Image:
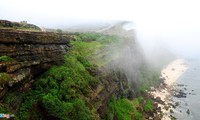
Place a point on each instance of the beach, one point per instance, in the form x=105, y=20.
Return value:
x=169, y=75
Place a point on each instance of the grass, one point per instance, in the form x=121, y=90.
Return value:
x=123, y=109
x=6, y=59
x=95, y=47
x=148, y=106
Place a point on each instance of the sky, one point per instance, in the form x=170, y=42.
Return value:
x=43, y=12
x=170, y=21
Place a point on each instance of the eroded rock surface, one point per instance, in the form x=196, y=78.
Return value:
x=33, y=53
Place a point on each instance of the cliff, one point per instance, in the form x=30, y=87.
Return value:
x=32, y=53
x=26, y=54
x=45, y=75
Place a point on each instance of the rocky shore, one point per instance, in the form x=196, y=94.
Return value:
x=168, y=88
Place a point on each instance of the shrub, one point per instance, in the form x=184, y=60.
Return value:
x=76, y=109
x=54, y=106
x=137, y=116
x=122, y=108
x=82, y=111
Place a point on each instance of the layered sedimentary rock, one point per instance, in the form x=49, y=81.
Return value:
x=32, y=54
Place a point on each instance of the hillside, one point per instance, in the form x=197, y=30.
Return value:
x=46, y=75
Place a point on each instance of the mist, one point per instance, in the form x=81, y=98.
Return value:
x=172, y=24
x=178, y=40
x=127, y=57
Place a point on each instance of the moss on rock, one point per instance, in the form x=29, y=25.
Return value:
x=4, y=78
x=6, y=59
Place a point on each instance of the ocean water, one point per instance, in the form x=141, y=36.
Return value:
x=189, y=82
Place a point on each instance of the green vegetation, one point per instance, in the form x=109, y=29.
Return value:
x=148, y=106
x=6, y=59
x=101, y=38
x=3, y=110
x=4, y=77
x=123, y=109
x=63, y=92
x=95, y=46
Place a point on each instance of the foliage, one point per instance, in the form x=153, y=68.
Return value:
x=60, y=91
x=6, y=59
x=104, y=40
x=137, y=116
x=55, y=107
x=148, y=106
x=2, y=109
x=28, y=107
x=95, y=47
x=87, y=37
x=123, y=109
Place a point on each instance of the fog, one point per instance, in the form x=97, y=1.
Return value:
x=173, y=24
x=183, y=40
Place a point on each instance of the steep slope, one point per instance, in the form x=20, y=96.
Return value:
x=74, y=76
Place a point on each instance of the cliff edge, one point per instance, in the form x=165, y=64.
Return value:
x=25, y=54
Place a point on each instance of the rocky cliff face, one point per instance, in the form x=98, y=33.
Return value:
x=32, y=54
x=26, y=54
x=111, y=84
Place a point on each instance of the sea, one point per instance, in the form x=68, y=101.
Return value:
x=189, y=83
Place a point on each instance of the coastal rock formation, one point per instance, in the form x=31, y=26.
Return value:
x=25, y=54
x=84, y=88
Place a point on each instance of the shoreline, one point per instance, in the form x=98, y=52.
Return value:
x=169, y=75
